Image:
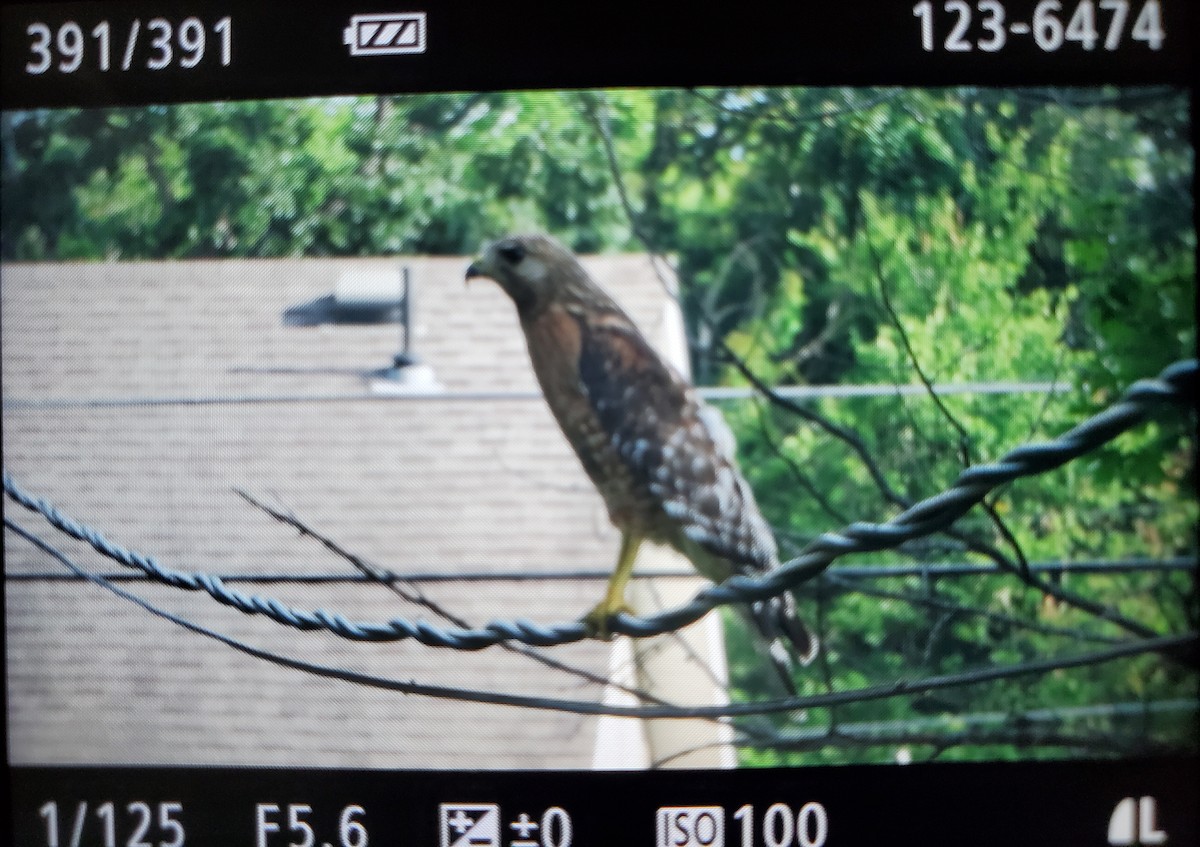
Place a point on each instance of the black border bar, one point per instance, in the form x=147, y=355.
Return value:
x=292, y=49
x=1027, y=803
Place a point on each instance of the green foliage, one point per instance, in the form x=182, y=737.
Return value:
x=1058, y=247
x=823, y=236
x=352, y=176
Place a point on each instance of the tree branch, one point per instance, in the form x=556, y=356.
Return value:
x=410, y=592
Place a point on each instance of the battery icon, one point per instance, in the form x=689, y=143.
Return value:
x=386, y=35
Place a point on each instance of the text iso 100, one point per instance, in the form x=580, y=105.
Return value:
x=1087, y=24
x=156, y=44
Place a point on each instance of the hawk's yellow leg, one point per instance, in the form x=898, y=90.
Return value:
x=614, y=598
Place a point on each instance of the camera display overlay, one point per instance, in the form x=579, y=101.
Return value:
x=430, y=455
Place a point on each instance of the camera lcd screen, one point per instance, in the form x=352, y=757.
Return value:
x=516, y=427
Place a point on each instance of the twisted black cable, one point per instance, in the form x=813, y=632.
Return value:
x=1177, y=384
x=897, y=688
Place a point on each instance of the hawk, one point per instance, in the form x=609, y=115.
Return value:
x=662, y=459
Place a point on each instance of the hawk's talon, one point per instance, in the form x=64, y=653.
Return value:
x=598, y=619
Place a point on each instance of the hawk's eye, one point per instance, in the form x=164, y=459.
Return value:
x=512, y=253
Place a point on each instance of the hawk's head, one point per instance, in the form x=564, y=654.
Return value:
x=535, y=270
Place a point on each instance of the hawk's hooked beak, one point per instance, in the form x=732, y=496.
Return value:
x=476, y=269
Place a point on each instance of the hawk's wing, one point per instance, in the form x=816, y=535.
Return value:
x=674, y=444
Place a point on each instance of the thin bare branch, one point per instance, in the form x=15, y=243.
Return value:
x=410, y=592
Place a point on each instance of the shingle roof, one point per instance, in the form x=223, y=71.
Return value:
x=138, y=395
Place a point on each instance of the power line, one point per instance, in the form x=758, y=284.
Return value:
x=940, y=570
x=1024, y=728
x=1177, y=383
x=715, y=393
x=1096, y=710
x=895, y=688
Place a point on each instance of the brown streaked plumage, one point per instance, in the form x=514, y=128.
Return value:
x=661, y=458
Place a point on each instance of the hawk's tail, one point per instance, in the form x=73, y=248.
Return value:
x=777, y=621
